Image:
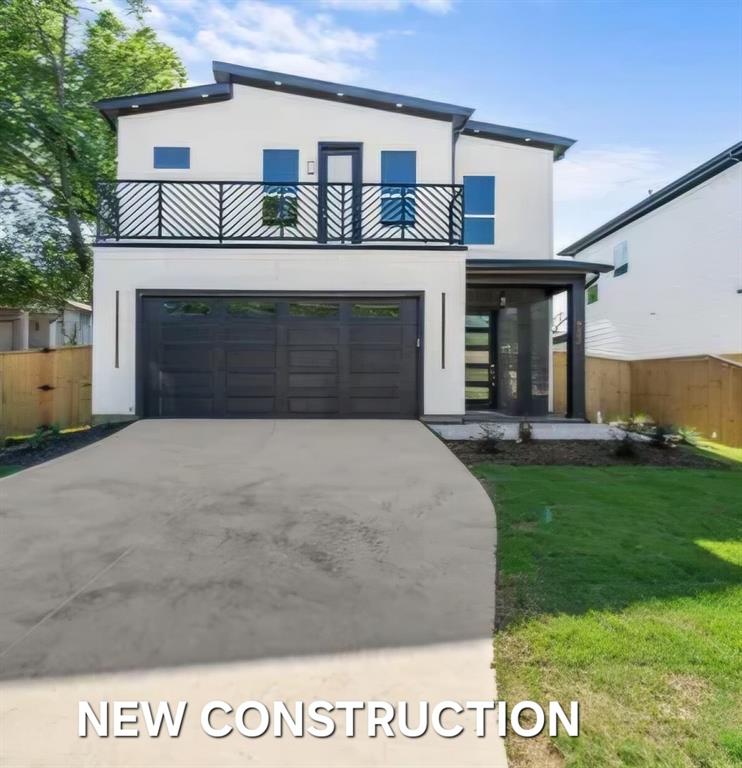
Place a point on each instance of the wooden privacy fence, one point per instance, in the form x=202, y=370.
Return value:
x=702, y=391
x=38, y=387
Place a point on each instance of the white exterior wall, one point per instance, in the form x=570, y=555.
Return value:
x=130, y=269
x=679, y=296
x=524, y=213
x=227, y=138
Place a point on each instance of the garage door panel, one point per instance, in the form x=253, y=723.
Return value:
x=312, y=380
x=192, y=383
x=257, y=333
x=186, y=357
x=250, y=384
x=250, y=406
x=376, y=334
x=375, y=405
x=314, y=335
x=375, y=360
x=313, y=358
x=313, y=405
x=188, y=333
x=266, y=356
x=246, y=358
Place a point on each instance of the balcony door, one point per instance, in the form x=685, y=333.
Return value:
x=340, y=174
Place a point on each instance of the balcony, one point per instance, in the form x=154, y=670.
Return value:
x=255, y=212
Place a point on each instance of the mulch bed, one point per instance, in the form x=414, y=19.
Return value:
x=581, y=453
x=23, y=455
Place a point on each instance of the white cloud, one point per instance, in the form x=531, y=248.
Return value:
x=598, y=173
x=261, y=34
x=431, y=6
x=594, y=185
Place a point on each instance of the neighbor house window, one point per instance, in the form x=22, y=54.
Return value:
x=398, y=169
x=620, y=258
x=479, y=210
x=172, y=157
x=592, y=294
x=280, y=204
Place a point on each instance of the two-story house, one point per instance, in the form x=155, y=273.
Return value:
x=281, y=246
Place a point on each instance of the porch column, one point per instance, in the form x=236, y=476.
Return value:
x=576, y=348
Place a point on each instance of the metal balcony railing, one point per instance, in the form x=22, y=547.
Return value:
x=243, y=211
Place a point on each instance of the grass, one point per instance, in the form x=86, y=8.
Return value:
x=719, y=451
x=622, y=588
x=8, y=470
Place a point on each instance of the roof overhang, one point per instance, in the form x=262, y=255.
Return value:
x=707, y=170
x=531, y=267
x=111, y=109
x=351, y=94
x=556, y=144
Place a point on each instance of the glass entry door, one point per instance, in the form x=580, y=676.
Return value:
x=480, y=360
x=340, y=176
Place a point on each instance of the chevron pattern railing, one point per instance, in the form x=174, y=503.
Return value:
x=229, y=211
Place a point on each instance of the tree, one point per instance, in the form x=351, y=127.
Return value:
x=55, y=59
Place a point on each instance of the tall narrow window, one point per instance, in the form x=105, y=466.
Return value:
x=280, y=204
x=620, y=258
x=398, y=177
x=172, y=157
x=479, y=210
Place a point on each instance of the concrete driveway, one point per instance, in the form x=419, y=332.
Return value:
x=275, y=559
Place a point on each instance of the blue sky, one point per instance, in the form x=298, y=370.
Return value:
x=649, y=89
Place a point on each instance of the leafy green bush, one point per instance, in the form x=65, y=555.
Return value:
x=280, y=211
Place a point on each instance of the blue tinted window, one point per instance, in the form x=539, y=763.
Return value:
x=172, y=157
x=479, y=195
x=398, y=167
x=479, y=210
x=398, y=202
x=281, y=165
x=479, y=231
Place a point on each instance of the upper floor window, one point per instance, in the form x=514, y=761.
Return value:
x=172, y=157
x=280, y=205
x=398, y=169
x=592, y=293
x=479, y=210
x=620, y=258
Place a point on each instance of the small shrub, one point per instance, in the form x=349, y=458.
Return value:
x=689, y=435
x=525, y=432
x=492, y=436
x=42, y=436
x=625, y=447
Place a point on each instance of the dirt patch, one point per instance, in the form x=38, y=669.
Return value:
x=24, y=455
x=580, y=453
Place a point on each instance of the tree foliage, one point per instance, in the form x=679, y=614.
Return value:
x=56, y=58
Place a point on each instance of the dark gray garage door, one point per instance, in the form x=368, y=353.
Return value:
x=238, y=356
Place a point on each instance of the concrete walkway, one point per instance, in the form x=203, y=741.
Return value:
x=234, y=560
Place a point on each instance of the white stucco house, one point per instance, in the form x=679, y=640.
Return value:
x=43, y=329
x=281, y=246
x=676, y=289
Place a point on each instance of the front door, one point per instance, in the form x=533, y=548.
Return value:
x=340, y=175
x=480, y=359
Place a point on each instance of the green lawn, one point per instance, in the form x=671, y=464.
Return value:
x=8, y=470
x=622, y=588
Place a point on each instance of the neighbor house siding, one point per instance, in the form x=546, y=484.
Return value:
x=679, y=295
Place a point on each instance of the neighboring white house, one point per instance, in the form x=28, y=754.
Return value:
x=35, y=329
x=281, y=246
x=677, y=284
